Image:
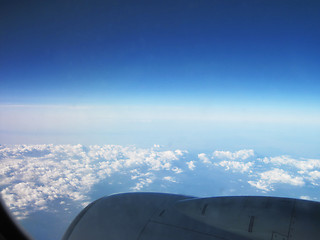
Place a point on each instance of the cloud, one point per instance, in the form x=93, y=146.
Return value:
x=142, y=183
x=191, y=165
x=177, y=170
x=169, y=178
x=235, y=166
x=313, y=176
x=32, y=176
x=241, y=154
x=267, y=172
x=268, y=178
x=302, y=164
x=305, y=197
x=203, y=157
x=234, y=161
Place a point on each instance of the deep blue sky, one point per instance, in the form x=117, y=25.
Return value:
x=107, y=52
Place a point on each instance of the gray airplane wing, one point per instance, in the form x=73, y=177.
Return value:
x=155, y=216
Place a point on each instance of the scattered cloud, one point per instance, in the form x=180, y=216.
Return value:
x=314, y=177
x=265, y=173
x=203, y=157
x=169, y=178
x=241, y=154
x=34, y=176
x=268, y=178
x=191, y=165
x=235, y=161
x=31, y=176
x=177, y=170
x=236, y=166
x=301, y=164
x=142, y=183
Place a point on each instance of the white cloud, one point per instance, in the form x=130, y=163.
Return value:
x=271, y=177
x=302, y=164
x=314, y=177
x=142, y=183
x=266, y=172
x=235, y=166
x=32, y=176
x=241, y=154
x=203, y=157
x=177, y=170
x=305, y=197
x=169, y=178
x=180, y=152
x=191, y=165
x=235, y=161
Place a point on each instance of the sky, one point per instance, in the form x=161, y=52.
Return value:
x=160, y=52
x=200, y=74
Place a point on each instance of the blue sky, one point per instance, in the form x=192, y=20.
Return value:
x=193, y=51
x=251, y=65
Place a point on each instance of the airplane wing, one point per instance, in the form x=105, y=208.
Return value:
x=156, y=216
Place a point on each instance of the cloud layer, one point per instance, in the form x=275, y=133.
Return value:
x=34, y=176
x=268, y=171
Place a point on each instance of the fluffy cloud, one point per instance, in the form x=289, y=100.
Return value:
x=302, y=164
x=235, y=166
x=308, y=169
x=241, y=154
x=31, y=176
x=314, y=176
x=191, y=165
x=268, y=178
x=235, y=161
x=203, y=157
x=169, y=178
x=34, y=176
x=265, y=173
